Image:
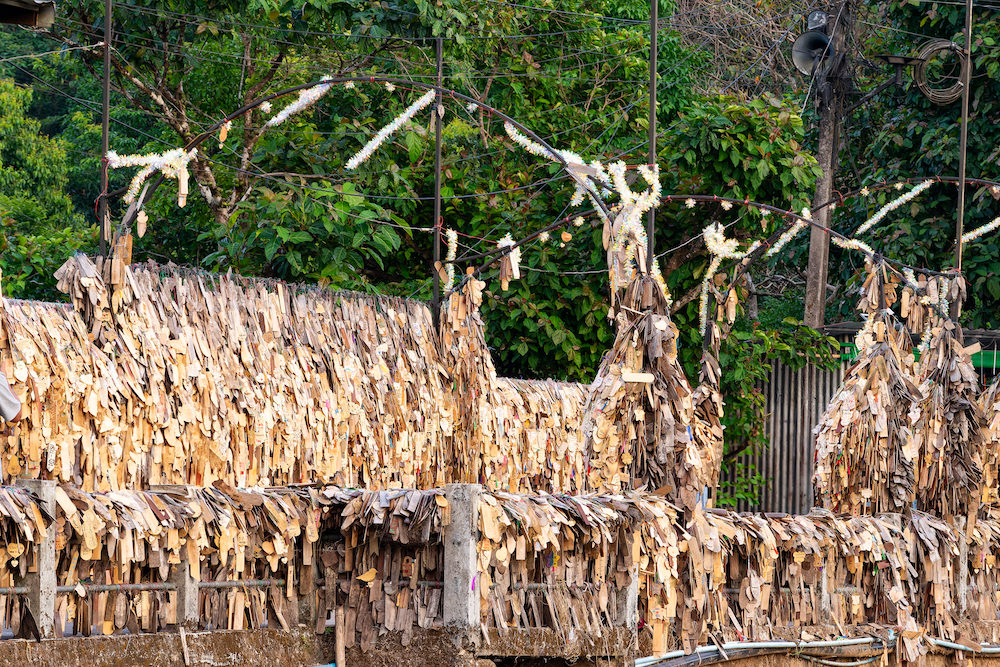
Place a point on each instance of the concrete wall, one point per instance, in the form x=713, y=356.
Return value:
x=252, y=648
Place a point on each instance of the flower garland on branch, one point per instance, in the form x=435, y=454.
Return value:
x=306, y=99
x=452, y=236
x=172, y=164
x=720, y=248
x=362, y=156
x=891, y=206
x=971, y=236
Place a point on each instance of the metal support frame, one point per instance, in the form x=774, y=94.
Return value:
x=437, y=117
x=963, y=142
x=651, y=216
x=104, y=221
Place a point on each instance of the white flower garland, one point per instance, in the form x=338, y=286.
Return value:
x=853, y=244
x=306, y=99
x=172, y=164
x=894, y=204
x=387, y=131
x=720, y=248
x=585, y=181
x=787, y=236
x=969, y=237
x=452, y=236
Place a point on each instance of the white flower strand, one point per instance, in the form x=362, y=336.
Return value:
x=630, y=232
x=971, y=236
x=172, y=164
x=306, y=99
x=720, y=248
x=783, y=240
x=452, y=236
x=703, y=298
x=853, y=244
x=894, y=204
x=387, y=131
x=585, y=184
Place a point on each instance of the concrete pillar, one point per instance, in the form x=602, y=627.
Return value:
x=42, y=583
x=628, y=601
x=461, y=563
x=186, y=594
x=628, y=597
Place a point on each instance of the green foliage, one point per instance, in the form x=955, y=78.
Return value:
x=40, y=229
x=746, y=357
x=901, y=134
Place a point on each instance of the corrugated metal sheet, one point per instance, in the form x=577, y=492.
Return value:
x=795, y=400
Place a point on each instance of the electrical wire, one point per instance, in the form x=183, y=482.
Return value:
x=36, y=56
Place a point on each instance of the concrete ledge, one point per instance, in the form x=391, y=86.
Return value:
x=542, y=642
x=435, y=647
x=239, y=648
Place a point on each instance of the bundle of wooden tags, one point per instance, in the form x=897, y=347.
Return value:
x=515, y=434
x=382, y=561
x=864, y=464
x=555, y=561
x=640, y=410
x=375, y=545
x=948, y=430
x=989, y=404
x=189, y=377
x=895, y=433
x=759, y=577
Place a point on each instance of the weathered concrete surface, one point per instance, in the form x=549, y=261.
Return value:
x=549, y=643
x=428, y=648
x=42, y=582
x=239, y=648
x=444, y=648
x=461, y=585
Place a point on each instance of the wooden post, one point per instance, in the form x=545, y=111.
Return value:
x=831, y=112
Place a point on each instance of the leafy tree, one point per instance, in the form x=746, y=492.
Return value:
x=902, y=134
x=39, y=227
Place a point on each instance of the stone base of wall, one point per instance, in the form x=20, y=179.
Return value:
x=238, y=648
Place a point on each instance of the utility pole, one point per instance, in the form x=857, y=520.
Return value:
x=436, y=115
x=102, y=204
x=831, y=95
x=651, y=220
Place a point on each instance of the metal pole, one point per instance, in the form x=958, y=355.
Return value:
x=964, y=136
x=102, y=210
x=436, y=114
x=651, y=219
